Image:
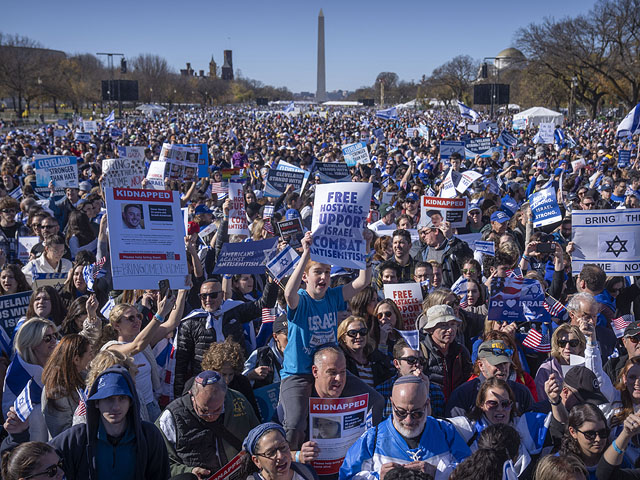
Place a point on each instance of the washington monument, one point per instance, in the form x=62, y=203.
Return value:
x=321, y=88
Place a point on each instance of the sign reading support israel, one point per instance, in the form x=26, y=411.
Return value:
x=355, y=153
x=448, y=147
x=339, y=213
x=478, y=146
x=544, y=207
x=333, y=172
x=608, y=238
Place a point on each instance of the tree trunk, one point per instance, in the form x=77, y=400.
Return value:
x=55, y=105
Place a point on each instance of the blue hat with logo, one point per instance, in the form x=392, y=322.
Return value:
x=111, y=384
x=291, y=214
x=499, y=217
x=412, y=196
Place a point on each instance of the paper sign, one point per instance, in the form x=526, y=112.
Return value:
x=293, y=229
x=517, y=300
x=333, y=172
x=355, y=154
x=123, y=172
x=61, y=170
x=546, y=132
x=578, y=164
x=452, y=210
x=467, y=180
x=237, y=216
x=244, y=257
x=624, y=158
x=25, y=244
x=279, y=180
x=448, y=147
x=13, y=308
x=544, y=207
x=183, y=161
x=478, y=146
x=56, y=280
x=408, y=298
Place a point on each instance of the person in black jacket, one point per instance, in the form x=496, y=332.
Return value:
x=216, y=320
x=263, y=366
x=114, y=443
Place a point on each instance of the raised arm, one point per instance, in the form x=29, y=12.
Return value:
x=291, y=290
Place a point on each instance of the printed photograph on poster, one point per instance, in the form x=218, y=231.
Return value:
x=132, y=216
x=452, y=210
x=326, y=428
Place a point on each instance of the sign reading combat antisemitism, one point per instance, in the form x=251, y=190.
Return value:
x=339, y=212
x=608, y=238
x=146, y=238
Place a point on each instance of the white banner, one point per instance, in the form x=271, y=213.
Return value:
x=608, y=238
x=237, y=215
x=467, y=179
x=146, y=238
x=546, y=132
x=122, y=172
x=339, y=213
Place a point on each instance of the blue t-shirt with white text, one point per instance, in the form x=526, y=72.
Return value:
x=312, y=324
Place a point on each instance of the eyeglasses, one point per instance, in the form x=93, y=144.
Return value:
x=50, y=472
x=590, y=204
x=35, y=225
x=591, y=434
x=50, y=337
x=212, y=295
x=401, y=413
x=474, y=213
x=410, y=201
x=413, y=360
x=271, y=454
x=573, y=343
x=47, y=227
x=494, y=404
x=384, y=314
x=354, y=333
x=469, y=271
x=132, y=318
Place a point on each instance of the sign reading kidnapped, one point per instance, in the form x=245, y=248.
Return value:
x=544, y=206
x=517, y=300
x=608, y=238
x=339, y=212
x=244, y=257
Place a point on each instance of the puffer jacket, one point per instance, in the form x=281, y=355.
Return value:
x=439, y=371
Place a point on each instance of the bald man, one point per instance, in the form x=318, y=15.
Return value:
x=410, y=438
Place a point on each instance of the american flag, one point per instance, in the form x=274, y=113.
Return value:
x=268, y=227
x=268, y=315
x=554, y=307
x=514, y=273
x=81, y=410
x=621, y=323
x=221, y=187
x=536, y=341
x=460, y=289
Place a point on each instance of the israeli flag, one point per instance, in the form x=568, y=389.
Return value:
x=231, y=135
x=537, y=138
x=6, y=344
x=283, y=263
x=289, y=108
x=412, y=337
x=506, y=139
x=388, y=113
x=559, y=137
x=23, y=404
x=106, y=310
x=467, y=112
x=630, y=125
x=111, y=118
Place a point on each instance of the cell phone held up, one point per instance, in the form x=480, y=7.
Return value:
x=163, y=287
x=546, y=247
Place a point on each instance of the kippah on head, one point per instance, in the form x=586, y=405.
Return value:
x=407, y=379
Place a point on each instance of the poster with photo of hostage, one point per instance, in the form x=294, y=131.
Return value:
x=335, y=424
x=439, y=210
x=183, y=161
x=146, y=238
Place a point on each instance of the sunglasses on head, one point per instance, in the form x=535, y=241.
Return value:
x=591, y=434
x=635, y=339
x=573, y=343
x=50, y=472
x=498, y=352
x=493, y=404
x=401, y=413
x=354, y=333
x=212, y=295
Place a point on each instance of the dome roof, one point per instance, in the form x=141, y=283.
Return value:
x=511, y=53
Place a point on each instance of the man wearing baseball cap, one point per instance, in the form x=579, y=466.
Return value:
x=474, y=220
x=264, y=364
x=411, y=206
x=387, y=219
x=499, y=221
x=631, y=342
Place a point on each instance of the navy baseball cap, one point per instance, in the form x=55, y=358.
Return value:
x=499, y=216
x=291, y=214
x=111, y=384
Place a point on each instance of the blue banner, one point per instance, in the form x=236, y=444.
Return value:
x=544, y=207
x=267, y=398
x=244, y=257
x=12, y=308
x=447, y=147
x=203, y=159
x=624, y=158
x=517, y=300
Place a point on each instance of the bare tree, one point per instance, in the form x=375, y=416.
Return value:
x=456, y=75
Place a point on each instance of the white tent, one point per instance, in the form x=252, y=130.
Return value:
x=150, y=109
x=537, y=115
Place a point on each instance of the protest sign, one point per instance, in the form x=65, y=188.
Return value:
x=447, y=147
x=452, y=210
x=123, y=172
x=448, y=189
x=339, y=213
x=411, y=132
x=292, y=228
x=478, y=146
x=469, y=238
x=203, y=159
x=56, y=280
x=488, y=248
x=232, y=470
x=237, y=216
x=379, y=134
x=61, y=170
x=183, y=161
x=335, y=424
x=546, y=132
x=25, y=244
x=519, y=124
x=90, y=126
x=624, y=158
x=544, y=207
x=578, y=164
x=156, y=175
x=608, y=238
x=146, y=238
x=287, y=167
x=59, y=133
x=13, y=308
x=517, y=300
x=136, y=153
x=355, y=153
x=82, y=137
x=333, y=172
x=278, y=181
x=244, y=257
x=267, y=398
x=115, y=132
x=467, y=180
x=408, y=298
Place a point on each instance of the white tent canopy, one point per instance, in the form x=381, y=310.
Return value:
x=150, y=109
x=537, y=115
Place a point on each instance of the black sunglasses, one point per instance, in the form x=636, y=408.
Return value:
x=50, y=472
x=591, y=434
x=573, y=343
x=401, y=413
x=413, y=360
x=213, y=295
x=354, y=333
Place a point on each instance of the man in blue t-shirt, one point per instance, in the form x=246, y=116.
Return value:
x=312, y=314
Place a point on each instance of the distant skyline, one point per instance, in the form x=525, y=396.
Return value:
x=276, y=42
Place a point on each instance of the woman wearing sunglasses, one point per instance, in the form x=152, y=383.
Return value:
x=566, y=340
x=363, y=359
x=35, y=460
x=496, y=403
x=388, y=318
x=34, y=343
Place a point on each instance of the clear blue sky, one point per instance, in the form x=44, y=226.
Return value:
x=276, y=41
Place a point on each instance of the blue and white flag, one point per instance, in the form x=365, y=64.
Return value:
x=379, y=134
x=571, y=143
x=388, y=113
x=537, y=138
x=412, y=337
x=111, y=118
x=16, y=193
x=506, y=139
x=6, y=344
x=106, y=310
x=289, y=108
x=368, y=420
x=488, y=248
x=559, y=137
x=30, y=396
x=283, y=263
x=467, y=112
x=630, y=125
x=92, y=272
x=460, y=289
x=231, y=135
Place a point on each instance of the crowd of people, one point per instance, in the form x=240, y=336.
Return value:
x=159, y=383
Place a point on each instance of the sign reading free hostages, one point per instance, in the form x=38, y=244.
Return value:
x=339, y=212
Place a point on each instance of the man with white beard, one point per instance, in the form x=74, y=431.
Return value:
x=410, y=438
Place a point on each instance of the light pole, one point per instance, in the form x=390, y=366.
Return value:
x=41, y=105
x=572, y=100
x=110, y=56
